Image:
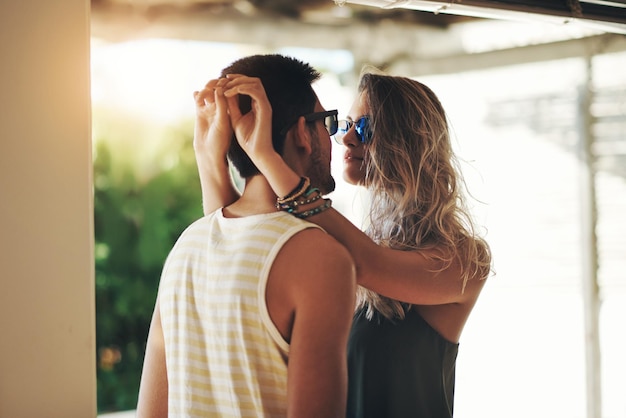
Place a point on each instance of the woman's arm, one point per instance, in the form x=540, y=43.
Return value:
x=212, y=136
x=408, y=276
x=417, y=277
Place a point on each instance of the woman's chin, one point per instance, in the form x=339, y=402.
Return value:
x=352, y=178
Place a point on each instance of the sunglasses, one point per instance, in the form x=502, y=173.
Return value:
x=362, y=129
x=329, y=117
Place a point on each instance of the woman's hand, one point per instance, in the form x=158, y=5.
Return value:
x=212, y=132
x=253, y=129
x=254, y=132
x=211, y=140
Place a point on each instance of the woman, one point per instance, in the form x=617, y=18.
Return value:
x=420, y=264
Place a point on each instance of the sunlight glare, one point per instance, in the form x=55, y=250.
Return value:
x=155, y=78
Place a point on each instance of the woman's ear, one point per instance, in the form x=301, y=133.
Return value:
x=302, y=136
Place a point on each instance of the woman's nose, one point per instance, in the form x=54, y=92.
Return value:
x=350, y=139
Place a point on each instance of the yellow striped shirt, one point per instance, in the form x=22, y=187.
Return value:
x=224, y=356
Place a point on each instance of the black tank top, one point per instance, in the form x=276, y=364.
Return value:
x=399, y=369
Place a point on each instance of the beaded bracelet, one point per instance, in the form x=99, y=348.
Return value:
x=292, y=205
x=299, y=190
x=321, y=208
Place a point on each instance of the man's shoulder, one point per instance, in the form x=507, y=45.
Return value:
x=198, y=226
x=312, y=252
x=315, y=270
x=314, y=238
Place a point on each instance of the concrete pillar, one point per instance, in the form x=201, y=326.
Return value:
x=47, y=325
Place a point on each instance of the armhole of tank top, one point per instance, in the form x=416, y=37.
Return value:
x=166, y=266
x=263, y=309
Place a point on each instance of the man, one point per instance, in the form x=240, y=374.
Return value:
x=254, y=305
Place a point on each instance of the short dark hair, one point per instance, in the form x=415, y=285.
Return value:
x=287, y=82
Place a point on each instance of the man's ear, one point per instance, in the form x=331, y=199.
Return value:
x=302, y=136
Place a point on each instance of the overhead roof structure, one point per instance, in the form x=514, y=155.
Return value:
x=416, y=37
x=606, y=15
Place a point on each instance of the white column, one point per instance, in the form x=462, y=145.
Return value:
x=589, y=254
x=47, y=324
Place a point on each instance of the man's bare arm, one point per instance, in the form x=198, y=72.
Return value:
x=152, y=401
x=321, y=286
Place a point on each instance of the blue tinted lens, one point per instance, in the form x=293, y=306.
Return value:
x=343, y=126
x=361, y=129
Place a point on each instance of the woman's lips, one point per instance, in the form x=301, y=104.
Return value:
x=350, y=158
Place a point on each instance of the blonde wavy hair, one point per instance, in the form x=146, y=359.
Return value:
x=415, y=183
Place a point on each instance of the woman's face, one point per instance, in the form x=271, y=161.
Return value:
x=353, y=167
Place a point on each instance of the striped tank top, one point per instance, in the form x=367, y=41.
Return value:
x=224, y=356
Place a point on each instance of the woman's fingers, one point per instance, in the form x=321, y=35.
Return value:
x=207, y=94
x=252, y=88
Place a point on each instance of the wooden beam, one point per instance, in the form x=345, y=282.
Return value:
x=608, y=16
x=452, y=64
x=373, y=42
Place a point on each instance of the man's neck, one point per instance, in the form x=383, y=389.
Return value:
x=257, y=197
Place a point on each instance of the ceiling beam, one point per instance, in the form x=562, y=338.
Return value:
x=377, y=41
x=605, y=15
x=452, y=64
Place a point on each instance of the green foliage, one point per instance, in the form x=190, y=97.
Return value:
x=146, y=192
